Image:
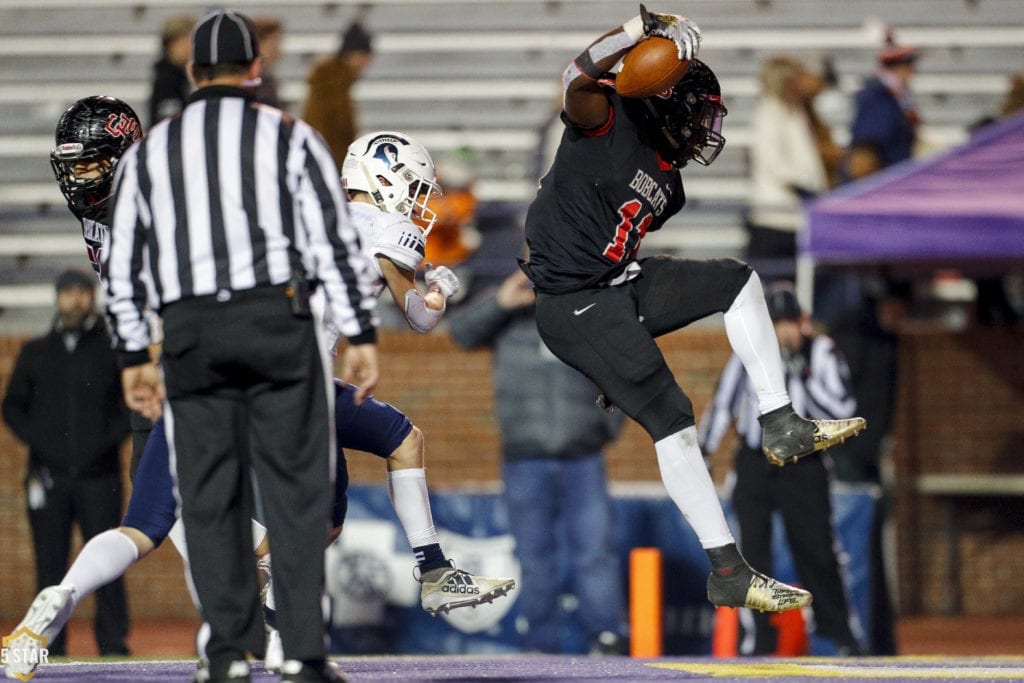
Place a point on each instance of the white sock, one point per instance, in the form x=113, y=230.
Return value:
x=259, y=532
x=177, y=537
x=103, y=559
x=271, y=602
x=408, y=492
x=689, y=485
x=752, y=337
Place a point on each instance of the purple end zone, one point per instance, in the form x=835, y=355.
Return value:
x=581, y=669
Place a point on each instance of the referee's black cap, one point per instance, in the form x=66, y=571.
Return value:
x=225, y=37
x=782, y=302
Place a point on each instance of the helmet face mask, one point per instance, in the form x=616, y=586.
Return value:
x=689, y=117
x=91, y=136
x=396, y=171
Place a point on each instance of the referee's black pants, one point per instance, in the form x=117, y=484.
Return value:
x=800, y=492
x=246, y=384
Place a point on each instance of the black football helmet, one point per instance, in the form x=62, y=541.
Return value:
x=689, y=117
x=94, y=129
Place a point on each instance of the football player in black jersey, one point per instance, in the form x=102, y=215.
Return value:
x=615, y=177
x=90, y=138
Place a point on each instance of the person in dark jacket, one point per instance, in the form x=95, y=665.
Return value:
x=329, y=107
x=887, y=115
x=868, y=336
x=552, y=435
x=171, y=86
x=64, y=402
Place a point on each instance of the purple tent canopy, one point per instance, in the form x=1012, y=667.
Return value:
x=966, y=204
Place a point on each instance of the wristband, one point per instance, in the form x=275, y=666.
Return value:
x=585, y=65
x=634, y=28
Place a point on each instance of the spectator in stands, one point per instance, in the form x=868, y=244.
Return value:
x=64, y=402
x=789, y=150
x=867, y=336
x=455, y=236
x=269, y=30
x=1013, y=103
x=835, y=290
x=884, y=132
x=886, y=113
x=818, y=381
x=552, y=435
x=330, y=108
x=171, y=85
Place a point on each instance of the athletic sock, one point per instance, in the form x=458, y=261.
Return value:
x=752, y=337
x=689, y=485
x=430, y=557
x=725, y=559
x=259, y=532
x=177, y=538
x=104, y=558
x=408, y=491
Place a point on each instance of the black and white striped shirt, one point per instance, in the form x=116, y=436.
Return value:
x=818, y=382
x=228, y=196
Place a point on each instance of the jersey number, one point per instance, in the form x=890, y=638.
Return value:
x=628, y=232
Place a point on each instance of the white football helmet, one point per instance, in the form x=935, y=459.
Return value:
x=396, y=171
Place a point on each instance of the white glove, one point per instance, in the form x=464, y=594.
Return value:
x=443, y=278
x=680, y=30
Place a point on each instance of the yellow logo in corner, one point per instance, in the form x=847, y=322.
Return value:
x=23, y=651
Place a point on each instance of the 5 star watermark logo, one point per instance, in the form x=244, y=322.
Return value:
x=23, y=650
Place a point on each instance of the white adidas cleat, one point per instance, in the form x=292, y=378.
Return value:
x=448, y=588
x=45, y=618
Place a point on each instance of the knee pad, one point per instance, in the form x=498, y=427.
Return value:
x=667, y=412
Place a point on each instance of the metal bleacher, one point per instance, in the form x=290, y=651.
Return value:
x=480, y=75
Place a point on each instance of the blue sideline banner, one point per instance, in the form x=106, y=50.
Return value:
x=375, y=596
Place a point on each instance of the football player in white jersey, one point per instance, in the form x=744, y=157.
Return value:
x=389, y=178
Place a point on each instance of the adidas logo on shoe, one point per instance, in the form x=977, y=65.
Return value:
x=448, y=588
x=460, y=584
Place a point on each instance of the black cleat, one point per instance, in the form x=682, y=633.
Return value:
x=788, y=437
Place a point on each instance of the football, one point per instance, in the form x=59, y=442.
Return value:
x=650, y=68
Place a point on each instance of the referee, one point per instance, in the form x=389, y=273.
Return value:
x=818, y=381
x=223, y=216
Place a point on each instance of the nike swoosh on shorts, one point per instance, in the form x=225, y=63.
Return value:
x=581, y=311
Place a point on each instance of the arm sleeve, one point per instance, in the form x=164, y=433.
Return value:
x=420, y=317
x=720, y=414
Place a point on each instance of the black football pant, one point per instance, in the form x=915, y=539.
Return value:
x=248, y=371
x=800, y=492
x=95, y=504
x=608, y=333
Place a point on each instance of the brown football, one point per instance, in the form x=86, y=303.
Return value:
x=650, y=68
